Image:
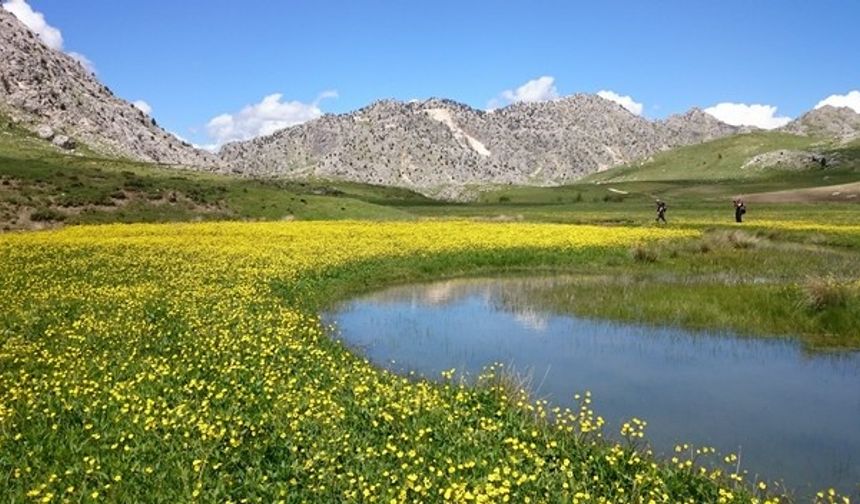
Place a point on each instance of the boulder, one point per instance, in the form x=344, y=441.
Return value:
x=64, y=142
x=45, y=132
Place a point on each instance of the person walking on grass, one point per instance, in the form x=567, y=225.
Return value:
x=661, y=212
x=740, y=210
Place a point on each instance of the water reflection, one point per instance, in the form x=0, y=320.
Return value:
x=791, y=415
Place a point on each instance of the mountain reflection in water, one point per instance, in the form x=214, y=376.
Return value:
x=792, y=415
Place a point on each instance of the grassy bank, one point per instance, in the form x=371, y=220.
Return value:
x=749, y=281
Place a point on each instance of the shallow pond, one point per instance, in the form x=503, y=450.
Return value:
x=792, y=415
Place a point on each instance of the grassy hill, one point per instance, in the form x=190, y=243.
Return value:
x=87, y=309
x=726, y=158
x=41, y=186
x=700, y=181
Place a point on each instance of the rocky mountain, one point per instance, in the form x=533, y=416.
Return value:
x=53, y=95
x=827, y=121
x=441, y=143
x=695, y=126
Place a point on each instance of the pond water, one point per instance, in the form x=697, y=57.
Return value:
x=792, y=415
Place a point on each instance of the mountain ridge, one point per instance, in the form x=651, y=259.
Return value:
x=842, y=123
x=431, y=146
x=439, y=142
x=55, y=96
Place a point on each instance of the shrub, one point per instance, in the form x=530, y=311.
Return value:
x=641, y=253
x=741, y=240
x=819, y=294
x=46, y=215
x=731, y=239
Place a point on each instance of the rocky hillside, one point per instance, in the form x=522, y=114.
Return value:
x=52, y=94
x=440, y=143
x=827, y=121
x=694, y=127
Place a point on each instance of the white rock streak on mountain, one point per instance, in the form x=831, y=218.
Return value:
x=440, y=143
x=430, y=146
x=444, y=117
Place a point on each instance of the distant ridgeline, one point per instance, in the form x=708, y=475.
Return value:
x=430, y=146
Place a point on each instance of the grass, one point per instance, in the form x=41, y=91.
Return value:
x=221, y=385
x=698, y=182
x=189, y=358
x=36, y=178
x=726, y=281
x=720, y=159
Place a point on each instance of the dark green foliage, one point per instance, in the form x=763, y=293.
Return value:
x=46, y=215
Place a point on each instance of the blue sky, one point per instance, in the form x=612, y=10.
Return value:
x=192, y=61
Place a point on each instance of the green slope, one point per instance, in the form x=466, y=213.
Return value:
x=41, y=186
x=696, y=176
x=720, y=159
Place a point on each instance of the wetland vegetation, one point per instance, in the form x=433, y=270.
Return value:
x=190, y=357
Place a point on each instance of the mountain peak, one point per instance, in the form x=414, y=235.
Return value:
x=695, y=125
x=48, y=91
x=425, y=145
x=439, y=143
x=698, y=113
x=828, y=121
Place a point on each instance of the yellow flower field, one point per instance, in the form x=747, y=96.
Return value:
x=186, y=362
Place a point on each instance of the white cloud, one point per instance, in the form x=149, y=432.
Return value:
x=36, y=22
x=330, y=93
x=627, y=102
x=850, y=100
x=264, y=118
x=536, y=90
x=84, y=61
x=742, y=114
x=51, y=36
x=208, y=147
x=143, y=107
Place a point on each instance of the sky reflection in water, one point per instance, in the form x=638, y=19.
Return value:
x=790, y=414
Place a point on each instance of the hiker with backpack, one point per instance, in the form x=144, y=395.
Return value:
x=740, y=210
x=661, y=211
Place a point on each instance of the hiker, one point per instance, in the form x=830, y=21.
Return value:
x=661, y=211
x=740, y=210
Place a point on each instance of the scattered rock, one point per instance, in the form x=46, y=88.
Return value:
x=785, y=159
x=64, y=142
x=45, y=132
x=436, y=145
x=827, y=121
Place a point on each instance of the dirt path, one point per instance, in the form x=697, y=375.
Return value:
x=842, y=192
